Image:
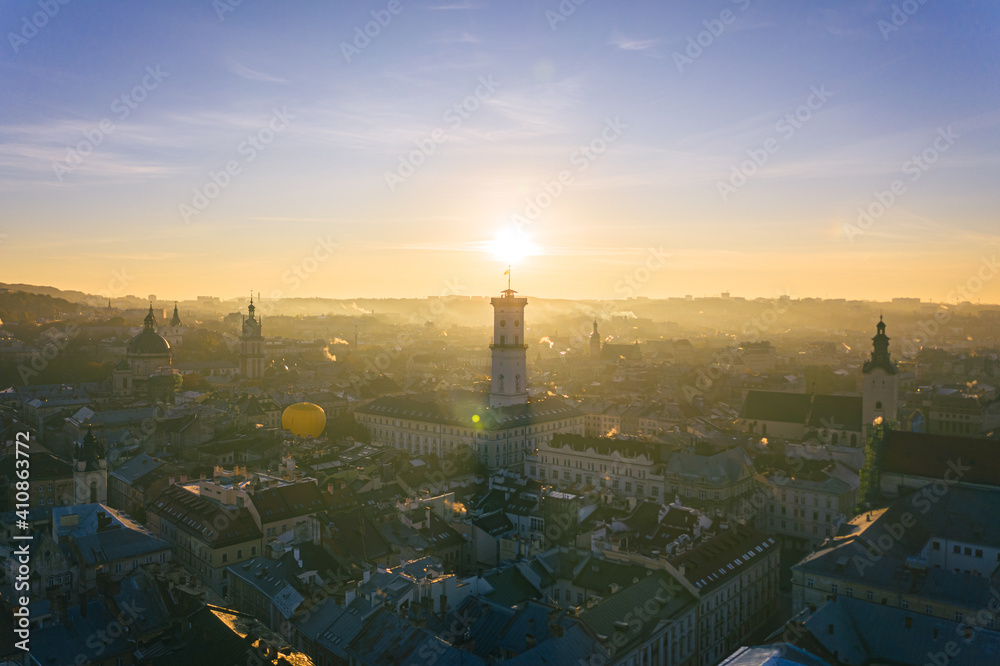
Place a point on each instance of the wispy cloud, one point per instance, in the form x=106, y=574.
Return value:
x=253, y=75
x=629, y=44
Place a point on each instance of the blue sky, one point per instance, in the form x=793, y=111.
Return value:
x=671, y=130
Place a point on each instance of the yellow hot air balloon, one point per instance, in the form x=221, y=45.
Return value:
x=304, y=419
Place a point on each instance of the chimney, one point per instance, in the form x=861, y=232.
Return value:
x=103, y=521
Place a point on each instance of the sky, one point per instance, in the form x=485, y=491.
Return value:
x=409, y=148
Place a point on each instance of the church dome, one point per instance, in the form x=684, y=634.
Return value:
x=149, y=341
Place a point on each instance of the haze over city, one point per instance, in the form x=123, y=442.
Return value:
x=495, y=101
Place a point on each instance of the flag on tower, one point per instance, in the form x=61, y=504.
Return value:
x=507, y=272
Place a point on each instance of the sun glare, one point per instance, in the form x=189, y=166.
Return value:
x=512, y=246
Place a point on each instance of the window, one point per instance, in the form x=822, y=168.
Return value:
x=834, y=588
x=869, y=595
x=958, y=616
x=579, y=597
x=979, y=552
x=809, y=582
x=904, y=604
x=936, y=545
x=239, y=554
x=957, y=550
x=225, y=557
x=929, y=610
x=253, y=551
x=849, y=591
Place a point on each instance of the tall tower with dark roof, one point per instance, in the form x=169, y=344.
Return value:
x=879, y=381
x=595, y=342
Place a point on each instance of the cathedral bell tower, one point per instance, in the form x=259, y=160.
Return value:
x=90, y=471
x=509, y=381
x=252, y=345
x=595, y=343
x=879, y=381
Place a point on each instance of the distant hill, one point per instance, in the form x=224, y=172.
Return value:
x=23, y=306
x=72, y=296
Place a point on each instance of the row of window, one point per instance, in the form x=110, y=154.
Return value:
x=958, y=550
x=135, y=563
x=903, y=604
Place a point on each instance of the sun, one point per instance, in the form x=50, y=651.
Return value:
x=512, y=246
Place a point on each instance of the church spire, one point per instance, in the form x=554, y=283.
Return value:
x=595, y=342
x=176, y=319
x=150, y=321
x=880, y=357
